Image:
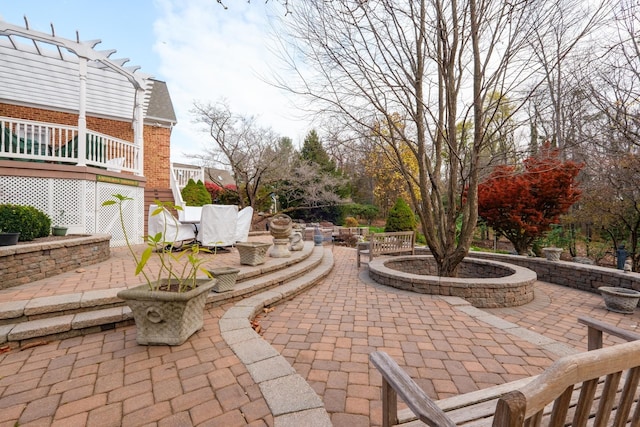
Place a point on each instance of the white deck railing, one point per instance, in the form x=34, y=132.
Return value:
x=183, y=174
x=28, y=140
x=180, y=176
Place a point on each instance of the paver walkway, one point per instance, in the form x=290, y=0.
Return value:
x=326, y=334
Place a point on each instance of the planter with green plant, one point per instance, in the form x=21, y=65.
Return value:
x=8, y=239
x=554, y=243
x=58, y=229
x=168, y=309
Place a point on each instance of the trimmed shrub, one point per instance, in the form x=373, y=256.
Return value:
x=26, y=220
x=196, y=194
x=350, y=222
x=400, y=218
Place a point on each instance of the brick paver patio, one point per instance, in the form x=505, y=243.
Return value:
x=326, y=334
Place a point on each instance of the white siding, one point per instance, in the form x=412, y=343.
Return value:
x=29, y=78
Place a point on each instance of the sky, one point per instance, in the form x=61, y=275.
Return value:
x=203, y=52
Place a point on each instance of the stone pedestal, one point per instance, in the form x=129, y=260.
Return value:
x=280, y=248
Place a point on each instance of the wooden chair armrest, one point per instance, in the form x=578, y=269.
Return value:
x=596, y=328
x=401, y=384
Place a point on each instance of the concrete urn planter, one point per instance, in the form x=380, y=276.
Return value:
x=225, y=278
x=620, y=300
x=252, y=253
x=166, y=317
x=280, y=226
x=57, y=230
x=552, y=254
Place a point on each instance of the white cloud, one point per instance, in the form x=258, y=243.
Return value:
x=207, y=53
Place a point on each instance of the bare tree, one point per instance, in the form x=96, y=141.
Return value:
x=262, y=163
x=251, y=152
x=611, y=201
x=615, y=87
x=432, y=62
x=562, y=51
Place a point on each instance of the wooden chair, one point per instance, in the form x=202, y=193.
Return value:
x=595, y=388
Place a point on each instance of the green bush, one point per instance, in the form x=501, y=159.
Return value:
x=350, y=222
x=400, y=218
x=196, y=194
x=26, y=220
x=368, y=212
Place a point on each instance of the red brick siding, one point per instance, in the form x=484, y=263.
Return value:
x=157, y=154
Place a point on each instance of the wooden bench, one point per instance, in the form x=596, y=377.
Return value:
x=583, y=389
x=386, y=243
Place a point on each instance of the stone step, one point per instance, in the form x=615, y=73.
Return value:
x=291, y=279
x=248, y=280
x=292, y=401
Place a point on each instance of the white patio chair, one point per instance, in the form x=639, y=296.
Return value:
x=218, y=225
x=175, y=230
x=244, y=224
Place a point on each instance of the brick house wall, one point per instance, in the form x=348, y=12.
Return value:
x=157, y=139
x=157, y=156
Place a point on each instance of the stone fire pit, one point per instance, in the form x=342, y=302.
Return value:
x=484, y=283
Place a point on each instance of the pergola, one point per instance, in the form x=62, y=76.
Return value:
x=52, y=72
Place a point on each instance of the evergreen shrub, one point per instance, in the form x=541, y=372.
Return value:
x=196, y=194
x=30, y=222
x=400, y=218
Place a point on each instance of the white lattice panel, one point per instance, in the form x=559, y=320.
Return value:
x=25, y=191
x=90, y=207
x=66, y=195
x=82, y=204
x=108, y=217
x=49, y=195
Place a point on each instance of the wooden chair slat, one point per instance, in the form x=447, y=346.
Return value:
x=426, y=410
x=561, y=408
x=585, y=402
x=389, y=405
x=629, y=392
x=510, y=410
x=635, y=420
x=607, y=399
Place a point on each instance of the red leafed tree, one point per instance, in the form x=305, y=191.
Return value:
x=522, y=203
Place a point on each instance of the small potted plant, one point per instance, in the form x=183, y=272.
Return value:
x=8, y=239
x=58, y=229
x=168, y=309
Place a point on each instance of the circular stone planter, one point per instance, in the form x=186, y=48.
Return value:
x=484, y=283
x=620, y=300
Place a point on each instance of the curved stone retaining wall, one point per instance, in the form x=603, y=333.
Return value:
x=572, y=274
x=25, y=263
x=502, y=285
